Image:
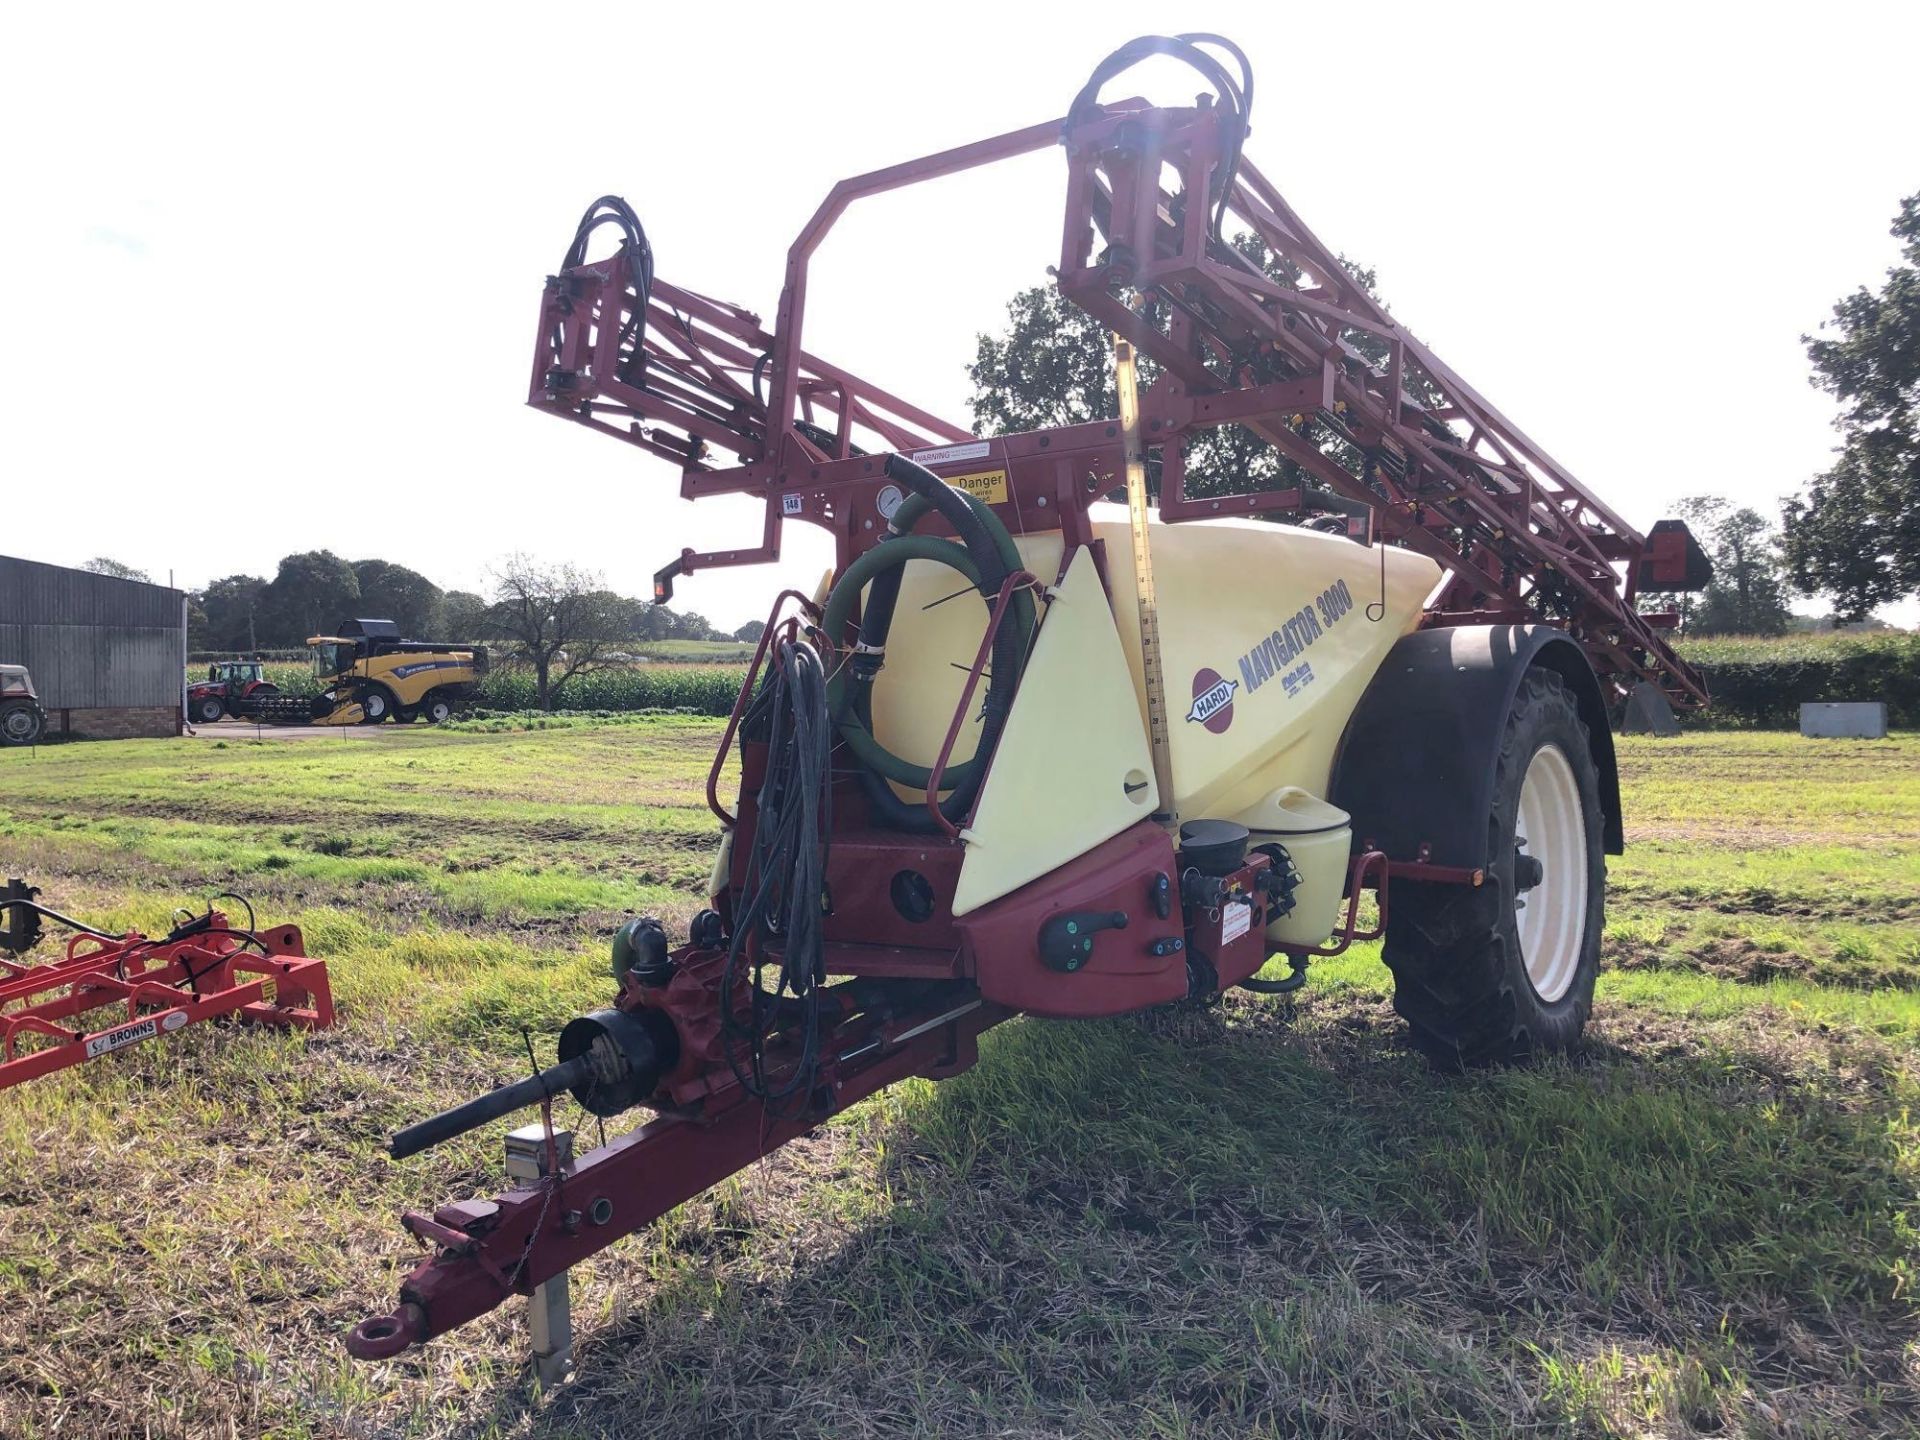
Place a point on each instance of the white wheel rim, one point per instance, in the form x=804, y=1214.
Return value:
x=1552, y=917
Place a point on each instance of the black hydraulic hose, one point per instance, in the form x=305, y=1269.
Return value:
x=554, y=1080
x=955, y=509
x=890, y=812
x=778, y=907
x=1295, y=978
x=1236, y=99
x=612, y=210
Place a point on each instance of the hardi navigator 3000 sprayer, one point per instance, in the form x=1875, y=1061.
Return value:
x=1152, y=753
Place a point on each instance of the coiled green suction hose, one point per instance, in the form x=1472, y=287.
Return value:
x=984, y=560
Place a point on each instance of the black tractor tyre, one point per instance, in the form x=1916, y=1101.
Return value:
x=377, y=705
x=21, y=723
x=1461, y=979
x=209, y=708
x=437, y=708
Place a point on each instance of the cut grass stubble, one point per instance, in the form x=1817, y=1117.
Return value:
x=1259, y=1220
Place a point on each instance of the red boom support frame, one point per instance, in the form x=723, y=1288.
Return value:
x=699, y=382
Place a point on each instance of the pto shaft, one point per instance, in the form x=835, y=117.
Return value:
x=552, y=1081
x=611, y=1060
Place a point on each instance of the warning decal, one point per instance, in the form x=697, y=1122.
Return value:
x=1235, y=920
x=947, y=454
x=987, y=485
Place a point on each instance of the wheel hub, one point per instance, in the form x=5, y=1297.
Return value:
x=1527, y=871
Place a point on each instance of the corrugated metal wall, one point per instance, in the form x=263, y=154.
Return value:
x=90, y=640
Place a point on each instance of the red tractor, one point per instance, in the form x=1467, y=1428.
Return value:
x=228, y=682
x=22, y=720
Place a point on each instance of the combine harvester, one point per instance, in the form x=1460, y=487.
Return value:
x=368, y=674
x=1150, y=755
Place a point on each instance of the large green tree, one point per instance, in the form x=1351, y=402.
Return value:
x=228, y=611
x=1855, y=535
x=463, y=615
x=406, y=597
x=309, y=595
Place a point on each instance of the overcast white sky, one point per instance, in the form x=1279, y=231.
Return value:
x=270, y=275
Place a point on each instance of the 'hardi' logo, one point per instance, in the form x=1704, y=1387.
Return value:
x=1213, y=700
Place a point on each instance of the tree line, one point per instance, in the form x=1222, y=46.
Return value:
x=1852, y=536
x=560, y=620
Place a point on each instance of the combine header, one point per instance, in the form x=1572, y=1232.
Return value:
x=203, y=969
x=1150, y=756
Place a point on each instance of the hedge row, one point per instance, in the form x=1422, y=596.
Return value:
x=1757, y=683
x=1761, y=682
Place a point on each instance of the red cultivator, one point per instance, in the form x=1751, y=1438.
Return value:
x=203, y=969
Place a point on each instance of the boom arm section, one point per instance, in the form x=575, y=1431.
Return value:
x=1289, y=346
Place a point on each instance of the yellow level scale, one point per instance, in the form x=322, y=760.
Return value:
x=1126, y=379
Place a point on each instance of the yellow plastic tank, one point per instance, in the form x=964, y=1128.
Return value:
x=1269, y=634
x=1317, y=836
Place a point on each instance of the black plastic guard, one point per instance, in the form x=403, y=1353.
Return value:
x=1416, y=766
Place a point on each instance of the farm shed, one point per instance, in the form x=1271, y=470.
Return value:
x=107, y=655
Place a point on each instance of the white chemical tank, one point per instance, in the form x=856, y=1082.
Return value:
x=1269, y=634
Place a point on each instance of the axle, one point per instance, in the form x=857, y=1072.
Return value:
x=476, y=1112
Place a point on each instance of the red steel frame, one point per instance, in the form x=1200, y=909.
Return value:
x=487, y=1250
x=682, y=376
x=164, y=986
x=1522, y=540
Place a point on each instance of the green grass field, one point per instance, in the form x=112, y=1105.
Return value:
x=1262, y=1220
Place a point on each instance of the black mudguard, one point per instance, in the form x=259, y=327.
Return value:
x=1416, y=765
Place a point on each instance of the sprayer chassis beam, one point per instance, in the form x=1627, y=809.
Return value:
x=490, y=1249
